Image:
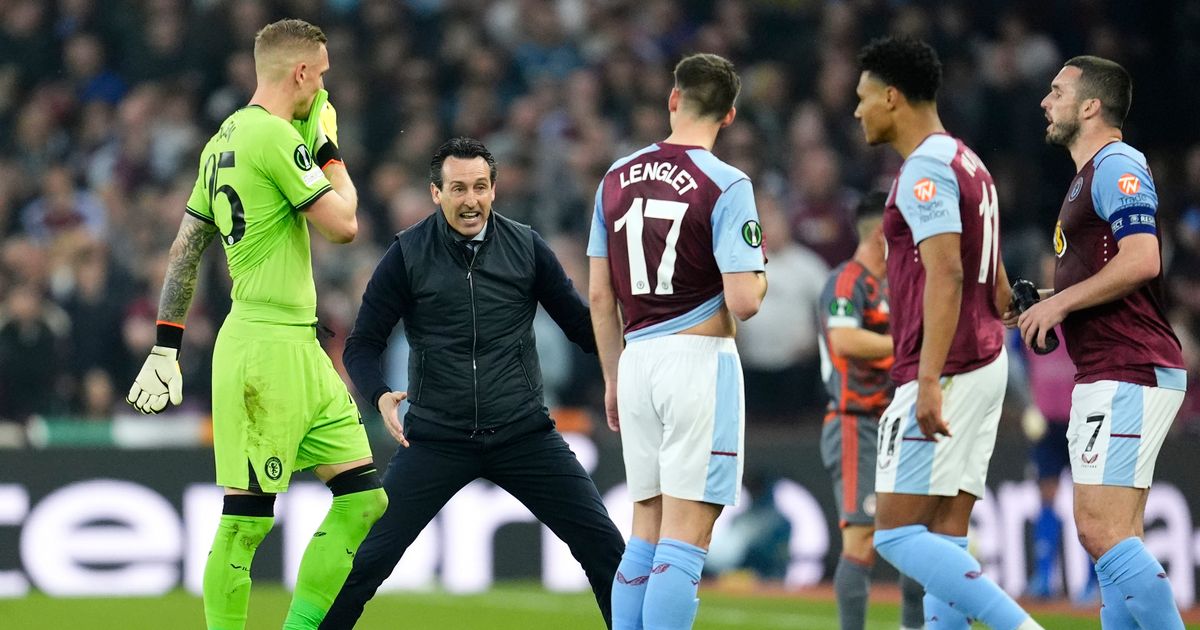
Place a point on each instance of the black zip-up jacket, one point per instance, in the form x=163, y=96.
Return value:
x=469, y=321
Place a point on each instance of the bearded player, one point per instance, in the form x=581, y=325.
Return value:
x=1108, y=296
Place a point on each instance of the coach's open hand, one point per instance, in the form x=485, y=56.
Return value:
x=929, y=410
x=389, y=403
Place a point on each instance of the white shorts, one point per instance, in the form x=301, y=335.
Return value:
x=1116, y=431
x=683, y=417
x=909, y=463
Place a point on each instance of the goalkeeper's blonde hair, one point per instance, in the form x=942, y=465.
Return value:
x=282, y=43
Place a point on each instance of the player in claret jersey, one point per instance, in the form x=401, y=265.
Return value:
x=948, y=288
x=676, y=243
x=1129, y=377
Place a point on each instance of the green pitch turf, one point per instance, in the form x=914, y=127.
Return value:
x=507, y=607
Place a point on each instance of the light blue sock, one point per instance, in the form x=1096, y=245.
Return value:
x=1114, y=615
x=940, y=614
x=1141, y=580
x=629, y=585
x=670, y=602
x=950, y=574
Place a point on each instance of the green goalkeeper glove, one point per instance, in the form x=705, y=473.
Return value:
x=160, y=380
x=319, y=130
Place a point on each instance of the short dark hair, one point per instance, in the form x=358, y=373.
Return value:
x=1108, y=81
x=462, y=148
x=905, y=63
x=709, y=83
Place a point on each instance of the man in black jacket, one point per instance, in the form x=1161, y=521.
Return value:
x=467, y=283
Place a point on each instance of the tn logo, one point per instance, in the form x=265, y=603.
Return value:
x=1129, y=184
x=925, y=189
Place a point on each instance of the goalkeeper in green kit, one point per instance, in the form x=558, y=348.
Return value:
x=278, y=404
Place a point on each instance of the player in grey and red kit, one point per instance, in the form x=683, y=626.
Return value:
x=856, y=354
x=1108, y=296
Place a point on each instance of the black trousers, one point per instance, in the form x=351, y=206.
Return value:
x=527, y=458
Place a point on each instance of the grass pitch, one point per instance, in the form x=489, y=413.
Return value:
x=506, y=607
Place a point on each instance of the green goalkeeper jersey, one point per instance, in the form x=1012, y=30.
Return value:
x=256, y=177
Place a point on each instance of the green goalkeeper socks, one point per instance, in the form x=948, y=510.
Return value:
x=227, y=572
x=330, y=554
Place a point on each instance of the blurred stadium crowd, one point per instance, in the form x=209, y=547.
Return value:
x=104, y=106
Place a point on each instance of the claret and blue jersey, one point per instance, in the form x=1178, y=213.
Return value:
x=1112, y=197
x=1123, y=191
x=671, y=219
x=943, y=188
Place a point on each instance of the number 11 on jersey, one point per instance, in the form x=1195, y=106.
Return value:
x=633, y=222
x=989, y=213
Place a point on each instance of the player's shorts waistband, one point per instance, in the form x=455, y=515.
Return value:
x=683, y=343
x=271, y=321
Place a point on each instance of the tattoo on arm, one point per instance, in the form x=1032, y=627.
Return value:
x=179, y=285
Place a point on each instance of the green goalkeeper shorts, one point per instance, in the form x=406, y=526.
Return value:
x=278, y=406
